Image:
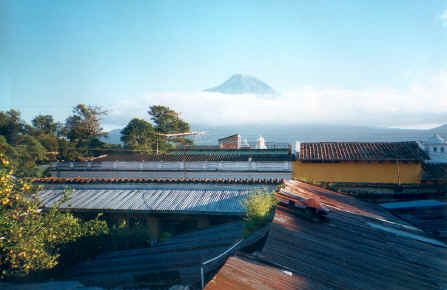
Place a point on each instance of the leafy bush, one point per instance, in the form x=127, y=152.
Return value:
x=31, y=238
x=259, y=208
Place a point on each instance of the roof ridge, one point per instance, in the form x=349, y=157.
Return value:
x=84, y=180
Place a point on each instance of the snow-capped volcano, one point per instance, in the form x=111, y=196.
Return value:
x=243, y=84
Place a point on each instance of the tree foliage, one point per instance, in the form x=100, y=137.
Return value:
x=168, y=121
x=139, y=135
x=45, y=124
x=85, y=123
x=11, y=126
x=259, y=208
x=30, y=238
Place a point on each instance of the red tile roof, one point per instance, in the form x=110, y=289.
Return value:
x=81, y=180
x=356, y=151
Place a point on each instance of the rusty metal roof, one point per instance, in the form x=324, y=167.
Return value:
x=361, y=151
x=358, y=246
x=241, y=272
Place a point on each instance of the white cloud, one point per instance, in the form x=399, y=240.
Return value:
x=444, y=18
x=420, y=103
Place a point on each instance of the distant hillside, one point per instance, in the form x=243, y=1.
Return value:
x=441, y=130
x=243, y=84
x=113, y=137
x=303, y=132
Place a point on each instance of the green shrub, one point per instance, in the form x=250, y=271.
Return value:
x=259, y=208
x=31, y=238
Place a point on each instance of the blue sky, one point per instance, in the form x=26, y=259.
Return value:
x=126, y=55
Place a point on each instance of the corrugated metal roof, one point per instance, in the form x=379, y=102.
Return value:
x=358, y=246
x=361, y=151
x=195, y=200
x=244, y=273
x=262, y=155
x=183, y=253
x=346, y=252
x=428, y=215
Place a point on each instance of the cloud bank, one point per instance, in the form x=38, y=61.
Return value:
x=416, y=106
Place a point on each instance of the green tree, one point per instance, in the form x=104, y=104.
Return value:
x=168, y=121
x=139, y=135
x=67, y=150
x=45, y=124
x=84, y=124
x=11, y=126
x=50, y=142
x=33, y=148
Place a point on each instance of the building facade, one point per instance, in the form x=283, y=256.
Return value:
x=230, y=142
x=355, y=162
x=436, y=148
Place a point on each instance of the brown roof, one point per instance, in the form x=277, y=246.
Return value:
x=81, y=180
x=358, y=246
x=244, y=273
x=356, y=151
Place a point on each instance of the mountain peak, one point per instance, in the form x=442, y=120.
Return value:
x=243, y=84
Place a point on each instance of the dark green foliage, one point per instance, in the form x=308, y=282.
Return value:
x=46, y=141
x=168, y=121
x=139, y=135
x=11, y=126
x=84, y=124
x=45, y=124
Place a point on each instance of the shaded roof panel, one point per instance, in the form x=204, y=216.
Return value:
x=183, y=253
x=434, y=172
x=428, y=215
x=359, y=246
x=361, y=151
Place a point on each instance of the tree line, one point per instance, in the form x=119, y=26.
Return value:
x=29, y=146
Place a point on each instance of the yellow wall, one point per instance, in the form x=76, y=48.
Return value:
x=374, y=172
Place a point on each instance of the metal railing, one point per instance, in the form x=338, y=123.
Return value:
x=202, y=272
